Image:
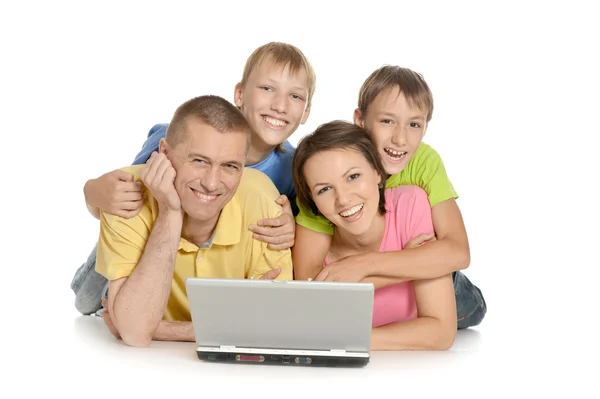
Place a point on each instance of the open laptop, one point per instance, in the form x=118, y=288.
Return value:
x=304, y=323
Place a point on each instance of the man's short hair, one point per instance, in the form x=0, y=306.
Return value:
x=213, y=110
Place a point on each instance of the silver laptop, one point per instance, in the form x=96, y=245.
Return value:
x=305, y=323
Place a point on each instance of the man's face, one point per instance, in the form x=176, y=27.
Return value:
x=395, y=127
x=208, y=166
x=274, y=102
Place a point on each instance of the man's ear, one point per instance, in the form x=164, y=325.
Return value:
x=163, y=147
x=358, y=118
x=305, y=116
x=237, y=95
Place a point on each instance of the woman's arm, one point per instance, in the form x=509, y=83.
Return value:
x=435, y=325
x=309, y=251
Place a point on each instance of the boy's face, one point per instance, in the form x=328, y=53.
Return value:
x=274, y=102
x=395, y=127
x=208, y=166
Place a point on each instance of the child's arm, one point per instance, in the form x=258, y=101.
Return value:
x=114, y=192
x=309, y=251
x=450, y=252
x=278, y=232
x=435, y=325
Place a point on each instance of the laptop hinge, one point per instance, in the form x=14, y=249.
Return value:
x=337, y=350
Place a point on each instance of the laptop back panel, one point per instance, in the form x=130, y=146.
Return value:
x=277, y=314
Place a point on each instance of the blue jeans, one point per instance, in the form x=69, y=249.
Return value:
x=90, y=288
x=470, y=304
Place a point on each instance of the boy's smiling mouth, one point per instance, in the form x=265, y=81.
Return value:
x=274, y=123
x=395, y=156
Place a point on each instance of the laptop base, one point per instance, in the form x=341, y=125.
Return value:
x=286, y=360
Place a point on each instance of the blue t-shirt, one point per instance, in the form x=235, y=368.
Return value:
x=277, y=165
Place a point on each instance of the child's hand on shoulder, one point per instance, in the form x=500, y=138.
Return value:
x=115, y=192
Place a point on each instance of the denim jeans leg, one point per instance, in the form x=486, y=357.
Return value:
x=103, y=297
x=470, y=304
x=88, y=285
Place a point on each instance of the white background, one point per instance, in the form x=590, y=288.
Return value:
x=516, y=102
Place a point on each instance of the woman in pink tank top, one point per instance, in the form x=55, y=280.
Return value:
x=338, y=173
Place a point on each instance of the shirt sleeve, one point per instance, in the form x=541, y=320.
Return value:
x=151, y=144
x=271, y=259
x=285, y=174
x=120, y=246
x=293, y=202
x=261, y=259
x=427, y=171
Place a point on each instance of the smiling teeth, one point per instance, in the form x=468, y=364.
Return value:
x=395, y=153
x=352, y=210
x=204, y=197
x=273, y=121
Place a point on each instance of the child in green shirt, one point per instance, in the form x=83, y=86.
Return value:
x=395, y=105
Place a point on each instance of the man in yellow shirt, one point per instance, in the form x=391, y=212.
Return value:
x=199, y=199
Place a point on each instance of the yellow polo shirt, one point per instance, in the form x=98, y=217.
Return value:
x=231, y=253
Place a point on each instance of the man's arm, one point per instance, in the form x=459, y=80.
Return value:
x=176, y=330
x=184, y=330
x=166, y=330
x=137, y=303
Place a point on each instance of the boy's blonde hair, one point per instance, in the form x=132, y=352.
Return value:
x=282, y=55
x=409, y=82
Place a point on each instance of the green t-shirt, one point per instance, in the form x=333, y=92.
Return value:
x=425, y=170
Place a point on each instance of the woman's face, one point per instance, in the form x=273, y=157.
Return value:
x=345, y=188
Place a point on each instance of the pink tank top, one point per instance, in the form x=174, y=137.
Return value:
x=408, y=215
